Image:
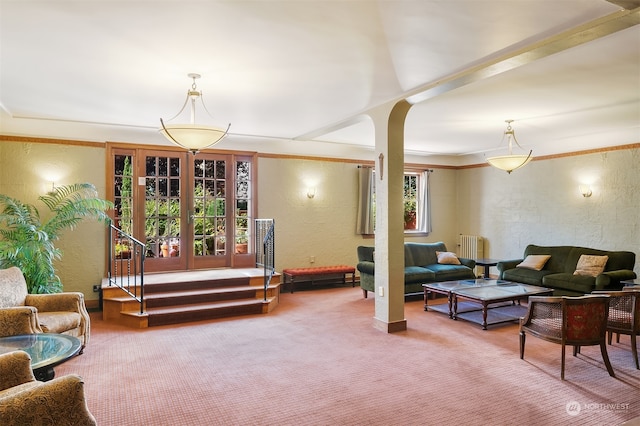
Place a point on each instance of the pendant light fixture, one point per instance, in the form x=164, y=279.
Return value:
x=511, y=161
x=191, y=136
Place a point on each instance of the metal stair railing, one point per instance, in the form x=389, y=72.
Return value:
x=126, y=264
x=265, y=249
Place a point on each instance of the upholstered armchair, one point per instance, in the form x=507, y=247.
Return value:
x=624, y=317
x=575, y=321
x=23, y=313
x=25, y=401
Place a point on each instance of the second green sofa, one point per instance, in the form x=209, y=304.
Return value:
x=558, y=272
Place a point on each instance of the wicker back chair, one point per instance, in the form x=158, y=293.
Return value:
x=576, y=321
x=624, y=317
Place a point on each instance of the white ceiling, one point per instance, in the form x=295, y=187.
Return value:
x=299, y=76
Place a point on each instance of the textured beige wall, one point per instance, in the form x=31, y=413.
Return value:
x=541, y=204
x=27, y=170
x=324, y=226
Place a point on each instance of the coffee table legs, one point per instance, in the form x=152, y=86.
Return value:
x=454, y=312
x=426, y=298
x=484, y=315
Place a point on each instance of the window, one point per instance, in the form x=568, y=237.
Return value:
x=416, y=203
x=410, y=201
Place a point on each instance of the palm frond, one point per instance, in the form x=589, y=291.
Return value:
x=71, y=204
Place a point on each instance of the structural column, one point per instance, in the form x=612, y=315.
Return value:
x=389, y=239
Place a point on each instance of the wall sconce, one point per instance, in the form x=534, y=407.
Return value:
x=585, y=190
x=311, y=192
x=52, y=191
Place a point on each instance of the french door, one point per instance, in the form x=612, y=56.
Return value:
x=191, y=212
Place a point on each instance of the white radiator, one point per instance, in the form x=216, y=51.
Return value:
x=471, y=247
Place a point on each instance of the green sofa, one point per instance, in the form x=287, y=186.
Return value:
x=420, y=266
x=557, y=273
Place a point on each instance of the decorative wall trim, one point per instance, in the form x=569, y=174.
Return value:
x=566, y=154
x=24, y=139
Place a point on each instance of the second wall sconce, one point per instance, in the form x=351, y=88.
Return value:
x=586, y=191
x=311, y=192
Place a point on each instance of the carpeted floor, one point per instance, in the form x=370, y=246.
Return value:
x=317, y=360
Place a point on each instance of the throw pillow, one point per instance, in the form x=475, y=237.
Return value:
x=534, y=261
x=591, y=265
x=447, y=258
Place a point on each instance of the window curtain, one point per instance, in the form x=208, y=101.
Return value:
x=364, y=221
x=424, y=211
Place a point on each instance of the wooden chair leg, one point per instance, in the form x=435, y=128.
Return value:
x=562, y=364
x=609, y=336
x=364, y=292
x=634, y=349
x=605, y=357
x=522, y=339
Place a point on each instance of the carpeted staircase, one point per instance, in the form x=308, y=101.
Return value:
x=181, y=297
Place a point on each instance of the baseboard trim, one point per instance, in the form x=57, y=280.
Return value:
x=390, y=327
x=92, y=305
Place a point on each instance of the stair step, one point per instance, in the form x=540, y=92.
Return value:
x=178, y=297
x=161, y=287
x=197, y=296
x=203, y=311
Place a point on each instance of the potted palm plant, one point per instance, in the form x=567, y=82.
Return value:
x=29, y=244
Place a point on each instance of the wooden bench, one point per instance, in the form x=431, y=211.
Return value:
x=321, y=273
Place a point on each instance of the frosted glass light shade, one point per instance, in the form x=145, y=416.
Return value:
x=509, y=163
x=193, y=137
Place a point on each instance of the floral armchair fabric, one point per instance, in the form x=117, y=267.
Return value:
x=25, y=401
x=23, y=313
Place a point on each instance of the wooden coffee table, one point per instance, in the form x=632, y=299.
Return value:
x=447, y=287
x=496, y=295
x=46, y=350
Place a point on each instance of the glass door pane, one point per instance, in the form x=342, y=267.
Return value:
x=164, y=211
x=123, y=193
x=243, y=208
x=210, y=217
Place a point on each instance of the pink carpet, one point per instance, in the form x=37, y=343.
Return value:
x=317, y=360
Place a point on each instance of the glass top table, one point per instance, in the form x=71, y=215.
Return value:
x=492, y=295
x=46, y=350
x=446, y=288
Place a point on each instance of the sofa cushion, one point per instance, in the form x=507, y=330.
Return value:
x=422, y=254
x=591, y=266
x=526, y=276
x=557, y=261
x=447, y=258
x=534, y=261
x=418, y=274
x=451, y=272
x=59, y=322
x=573, y=283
